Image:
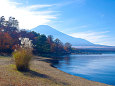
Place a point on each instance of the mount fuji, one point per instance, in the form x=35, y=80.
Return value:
x=47, y=30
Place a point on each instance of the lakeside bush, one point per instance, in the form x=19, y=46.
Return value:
x=23, y=55
x=22, y=59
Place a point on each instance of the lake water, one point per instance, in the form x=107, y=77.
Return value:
x=100, y=68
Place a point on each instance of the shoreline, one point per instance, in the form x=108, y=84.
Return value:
x=42, y=73
x=81, y=82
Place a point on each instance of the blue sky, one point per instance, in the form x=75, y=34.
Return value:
x=93, y=20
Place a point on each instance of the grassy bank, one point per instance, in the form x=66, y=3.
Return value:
x=41, y=74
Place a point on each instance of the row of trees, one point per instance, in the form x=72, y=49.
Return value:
x=49, y=46
x=42, y=44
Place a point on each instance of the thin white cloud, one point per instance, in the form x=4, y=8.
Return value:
x=80, y=27
x=95, y=37
x=32, y=7
x=27, y=16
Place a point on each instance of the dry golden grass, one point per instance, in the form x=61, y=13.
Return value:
x=41, y=74
x=22, y=58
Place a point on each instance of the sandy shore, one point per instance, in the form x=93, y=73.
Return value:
x=41, y=74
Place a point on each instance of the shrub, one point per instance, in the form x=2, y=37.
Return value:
x=22, y=58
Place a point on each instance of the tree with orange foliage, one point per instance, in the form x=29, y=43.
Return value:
x=67, y=47
x=5, y=41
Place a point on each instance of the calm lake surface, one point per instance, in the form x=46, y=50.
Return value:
x=100, y=68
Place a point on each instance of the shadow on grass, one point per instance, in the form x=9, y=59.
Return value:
x=32, y=73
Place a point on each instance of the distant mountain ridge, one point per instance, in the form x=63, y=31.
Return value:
x=47, y=30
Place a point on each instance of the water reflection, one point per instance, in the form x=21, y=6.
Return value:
x=99, y=68
x=67, y=60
